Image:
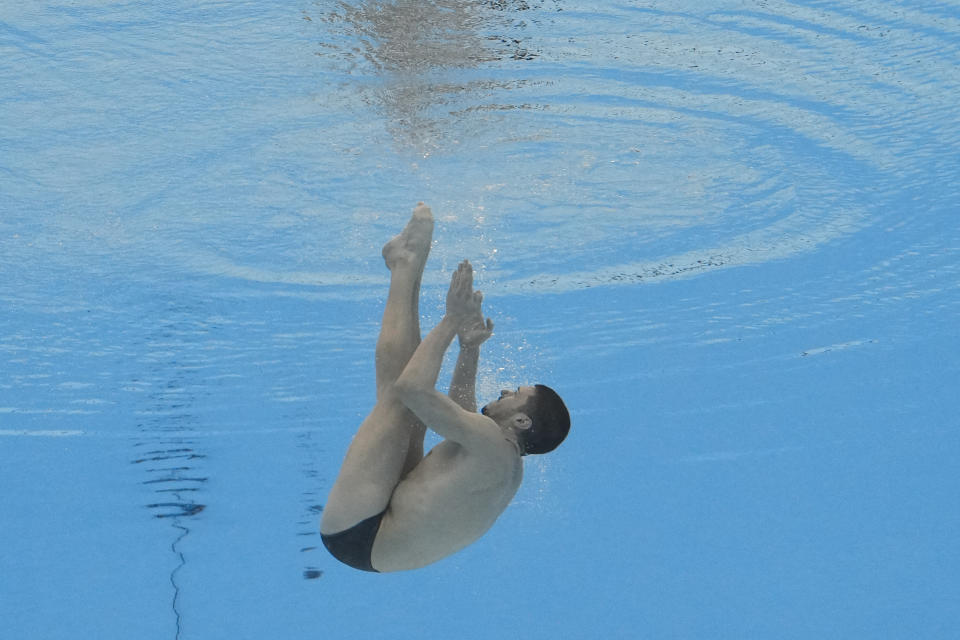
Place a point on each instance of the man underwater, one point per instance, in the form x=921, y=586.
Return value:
x=392, y=508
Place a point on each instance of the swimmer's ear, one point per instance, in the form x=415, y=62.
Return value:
x=521, y=421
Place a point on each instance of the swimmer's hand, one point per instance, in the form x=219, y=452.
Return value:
x=464, y=304
x=462, y=301
x=474, y=332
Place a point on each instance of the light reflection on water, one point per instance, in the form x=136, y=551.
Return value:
x=634, y=143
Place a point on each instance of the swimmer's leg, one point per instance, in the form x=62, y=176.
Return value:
x=405, y=255
x=389, y=442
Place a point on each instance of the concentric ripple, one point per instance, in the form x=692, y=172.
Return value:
x=562, y=145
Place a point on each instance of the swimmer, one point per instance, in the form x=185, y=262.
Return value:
x=392, y=508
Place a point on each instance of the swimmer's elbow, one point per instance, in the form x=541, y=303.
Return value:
x=410, y=394
x=403, y=388
x=432, y=407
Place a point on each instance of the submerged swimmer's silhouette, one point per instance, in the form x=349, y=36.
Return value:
x=392, y=508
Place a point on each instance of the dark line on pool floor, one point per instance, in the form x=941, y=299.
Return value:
x=309, y=523
x=173, y=574
x=174, y=477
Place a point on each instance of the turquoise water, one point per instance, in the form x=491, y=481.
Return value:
x=727, y=234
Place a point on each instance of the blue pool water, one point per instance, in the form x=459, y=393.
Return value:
x=727, y=232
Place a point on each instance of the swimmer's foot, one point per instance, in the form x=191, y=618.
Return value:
x=412, y=245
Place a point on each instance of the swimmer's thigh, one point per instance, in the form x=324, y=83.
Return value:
x=374, y=465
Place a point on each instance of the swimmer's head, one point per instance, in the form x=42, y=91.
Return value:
x=536, y=414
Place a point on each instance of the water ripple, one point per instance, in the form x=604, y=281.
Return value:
x=561, y=145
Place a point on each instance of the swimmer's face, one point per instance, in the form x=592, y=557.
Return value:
x=509, y=403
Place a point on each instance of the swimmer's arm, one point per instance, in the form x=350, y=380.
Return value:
x=423, y=368
x=463, y=385
x=415, y=387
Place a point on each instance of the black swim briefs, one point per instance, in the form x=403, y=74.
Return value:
x=353, y=546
